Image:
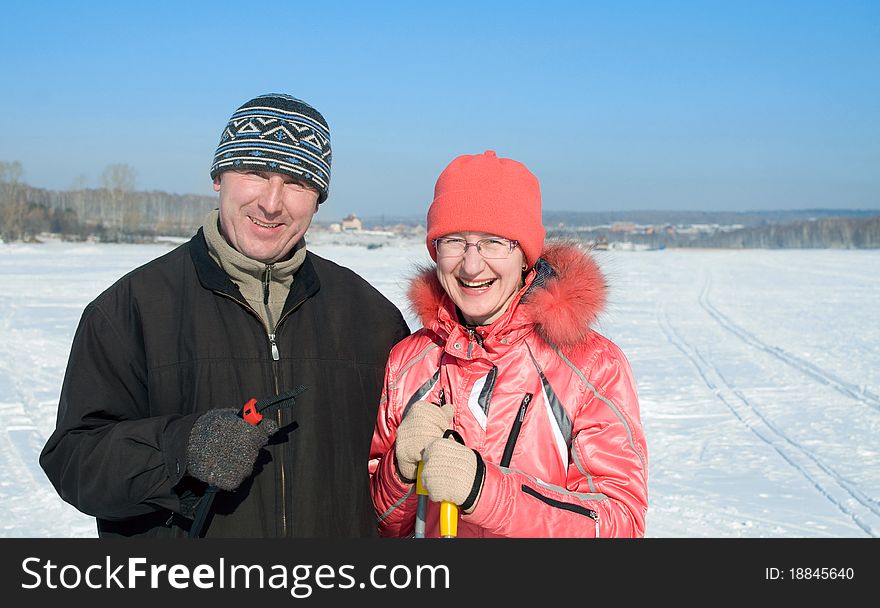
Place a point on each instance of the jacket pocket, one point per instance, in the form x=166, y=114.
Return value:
x=514, y=431
x=565, y=506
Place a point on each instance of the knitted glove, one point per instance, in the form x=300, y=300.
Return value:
x=189, y=502
x=423, y=423
x=223, y=448
x=453, y=473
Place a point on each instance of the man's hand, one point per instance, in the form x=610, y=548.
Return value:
x=223, y=448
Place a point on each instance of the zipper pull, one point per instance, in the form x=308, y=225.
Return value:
x=275, y=355
x=514, y=431
x=523, y=406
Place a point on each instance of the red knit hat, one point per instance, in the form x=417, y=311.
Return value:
x=484, y=193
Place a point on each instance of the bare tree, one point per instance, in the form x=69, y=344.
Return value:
x=78, y=196
x=13, y=206
x=119, y=180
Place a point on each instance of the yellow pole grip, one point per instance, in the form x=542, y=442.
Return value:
x=421, y=505
x=420, y=489
x=448, y=520
x=448, y=510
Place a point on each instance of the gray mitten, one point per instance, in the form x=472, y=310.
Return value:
x=223, y=448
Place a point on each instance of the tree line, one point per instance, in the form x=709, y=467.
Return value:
x=825, y=233
x=113, y=213
x=660, y=217
x=821, y=233
x=117, y=212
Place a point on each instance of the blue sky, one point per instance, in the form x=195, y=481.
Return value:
x=614, y=105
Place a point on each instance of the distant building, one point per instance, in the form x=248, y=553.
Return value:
x=352, y=224
x=623, y=227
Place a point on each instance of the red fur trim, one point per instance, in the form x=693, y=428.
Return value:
x=425, y=294
x=568, y=304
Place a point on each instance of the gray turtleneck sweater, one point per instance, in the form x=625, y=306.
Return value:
x=263, y=286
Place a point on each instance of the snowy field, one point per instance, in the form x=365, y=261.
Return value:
x=758, y=374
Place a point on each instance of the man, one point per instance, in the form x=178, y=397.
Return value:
x=163, y=361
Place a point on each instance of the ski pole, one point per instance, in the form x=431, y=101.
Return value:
x=422, y=501
x=449, y=510
x=252, y=413
x=448, y=520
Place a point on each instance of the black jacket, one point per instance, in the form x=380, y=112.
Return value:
x=175, y=338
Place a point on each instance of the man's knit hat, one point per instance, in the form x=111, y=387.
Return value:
x=277, y=133
x=484, y=193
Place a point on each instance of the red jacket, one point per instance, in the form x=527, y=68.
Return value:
x=578, y=466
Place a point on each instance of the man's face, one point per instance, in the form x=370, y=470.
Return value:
x=263, y=214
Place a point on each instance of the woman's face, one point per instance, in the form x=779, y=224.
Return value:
x=481, y=288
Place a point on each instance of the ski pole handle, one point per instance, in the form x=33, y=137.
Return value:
x=420, y=489
x=422, y=502
x=448, y=519
x=449, y=510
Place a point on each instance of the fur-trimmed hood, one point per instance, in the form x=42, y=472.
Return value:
x=562, y=297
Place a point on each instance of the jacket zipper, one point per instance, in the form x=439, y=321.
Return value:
x=275, y=355
x=283, y=474
x=273, y=347
x=474, y=336
x=514, y=431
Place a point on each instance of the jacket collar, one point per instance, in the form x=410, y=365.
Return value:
x=245, y=272
x=212, y=277
x=562, y=298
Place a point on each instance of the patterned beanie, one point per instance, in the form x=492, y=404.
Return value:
x=277, y=133
x=484, y=193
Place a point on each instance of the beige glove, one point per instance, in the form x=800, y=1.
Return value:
x=423, y=423
x=453, y=473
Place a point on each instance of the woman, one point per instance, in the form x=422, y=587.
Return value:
x=546, y=407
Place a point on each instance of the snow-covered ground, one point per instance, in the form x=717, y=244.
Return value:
x=758, y=373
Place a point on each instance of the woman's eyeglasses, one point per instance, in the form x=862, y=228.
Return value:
x=493, y=248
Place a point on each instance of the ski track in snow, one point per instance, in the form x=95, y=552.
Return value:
x=843, y=494
x=817, y=430
x=850, y=390
x=761, y=410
